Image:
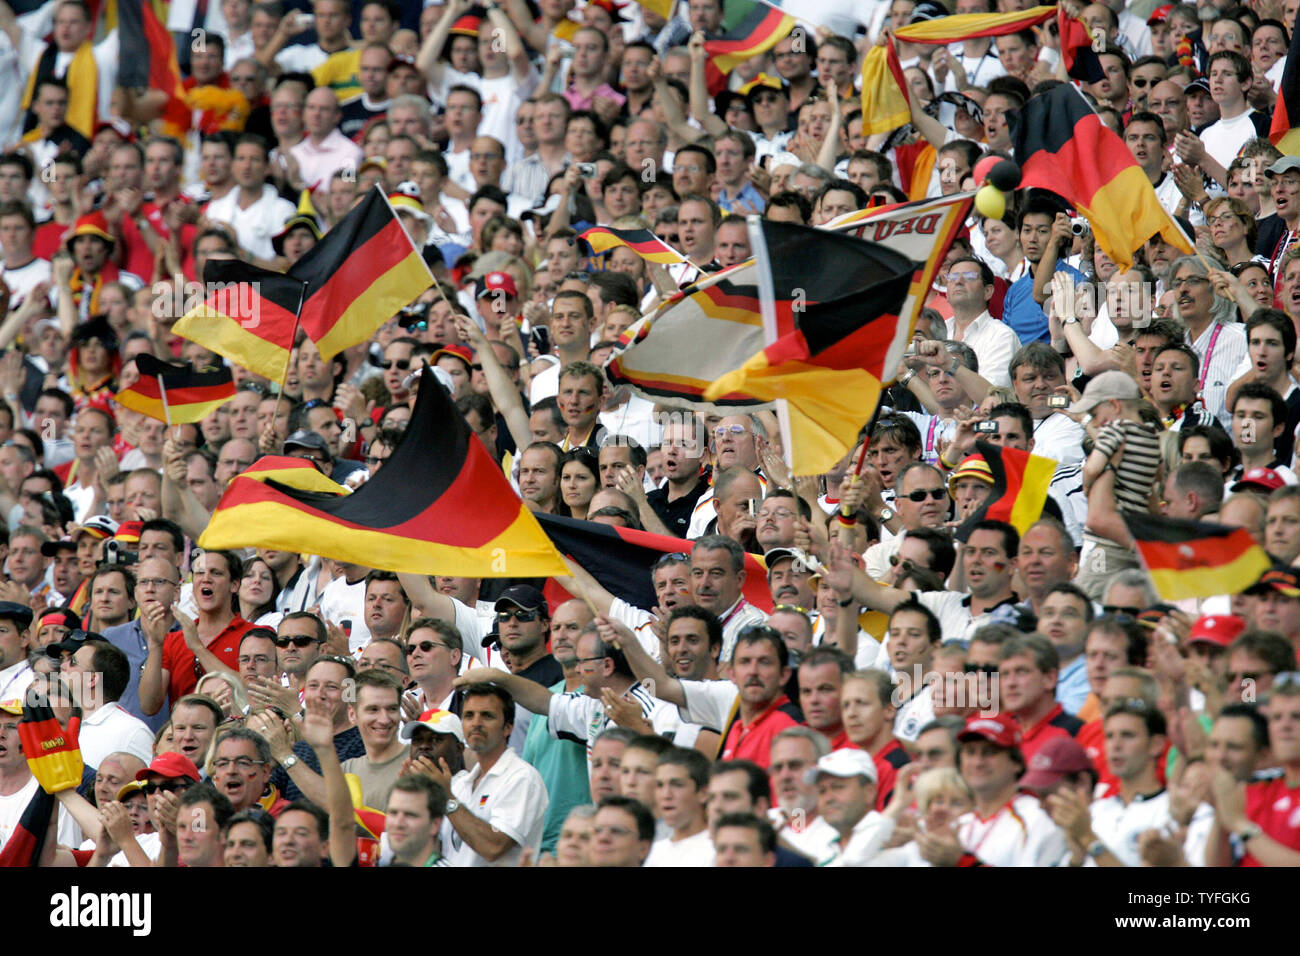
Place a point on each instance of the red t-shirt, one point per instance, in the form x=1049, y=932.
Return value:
x=49, y=239
x=888, y=759
x=753, y=741
x=1057, y=723
x=1276, y=808
x=181, y=665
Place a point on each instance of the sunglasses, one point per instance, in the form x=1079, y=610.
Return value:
x=790, y=607
x=934, y=494
x=519, y=614
x=299, y=641
x=401, y=364
x=425, y=647
x=1118, y=609
x=167, y=786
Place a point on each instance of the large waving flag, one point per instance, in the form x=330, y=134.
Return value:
x=439, y=505
x=830, y=306
x=755, y=27
x=1194, y=559
x=364, y=271
x=1062, y=146
x=713, y=327
x=964, y=26
x=622, y=560
x=176, y=394
x=1020, y=486
x=1286, y=111
x=148, y=55
x=249, y=315
x=884, y=91
x=643, y=242
x=1077, y=52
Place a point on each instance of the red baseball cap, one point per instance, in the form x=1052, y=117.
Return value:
x=462, y=352
x=1218, y=629
x=1000, y=731
x=497, y=281
x=170, y=765
x=1057, y=759
x=1265, y=478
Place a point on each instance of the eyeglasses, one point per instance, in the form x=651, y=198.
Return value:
x=965, y=275
x=243, y=764
x=481, y=156
x=401, y=364
x=934, y=494
x=1222, y=220
x=782, y=513
x=691, y=170
x=1236, y=677
x=155, y=583
x=1188, y=280
x=722, y=431
x=589, y=660
x=519, y=614
x=1117, y=609
x=298, y=640
x=425, y=647
x=1141, y=82
x=981, y=668
x=256, y=659
x=167, y=786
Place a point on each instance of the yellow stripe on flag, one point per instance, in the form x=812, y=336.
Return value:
x=1230, y=578
x=962, y=25
x=884, y=105
x=226, y=336
x=386, y=296
x=1034, y=483
x=1124, y=214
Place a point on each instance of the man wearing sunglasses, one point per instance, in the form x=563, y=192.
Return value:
x=921, y=501
x=397, y=364
x=299, y=638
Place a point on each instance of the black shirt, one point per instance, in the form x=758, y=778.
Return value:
x=545, y=671
x=676, y=515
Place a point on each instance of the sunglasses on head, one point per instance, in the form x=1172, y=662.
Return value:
x=299, y=641
x=519, y=614
x=934, y=494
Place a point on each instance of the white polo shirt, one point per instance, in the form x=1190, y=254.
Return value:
x=255, y=225
x=111, y=729
x=575, y=716
x=1019, y=834
x=511, y=796
x=1119, y=826
x=815, y=839
x=14, y=681
x=1060, y=438
x=869, y=835
x=695, y=850
x=735, y=619
x=993, y=342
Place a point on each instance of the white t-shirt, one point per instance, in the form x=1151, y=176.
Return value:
x=1119, y=826
x=695, y=850
x=511, y=796
x=1019, y=834
x=340, y=602
x=1223, y=139
x=11, y=812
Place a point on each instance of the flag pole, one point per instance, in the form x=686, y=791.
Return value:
x=767, y=310
x=167, y=413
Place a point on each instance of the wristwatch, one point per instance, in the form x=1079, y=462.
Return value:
x=452, y=806
x=907, y=377
x=289, y=762
x=1096, y=849
x=1072, y=320
x=1249, y=832
x=886, y=515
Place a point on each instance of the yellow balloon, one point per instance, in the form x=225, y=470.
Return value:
x=991, y=202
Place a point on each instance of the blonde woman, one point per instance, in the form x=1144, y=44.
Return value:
x=227, y=691
x=941, y=797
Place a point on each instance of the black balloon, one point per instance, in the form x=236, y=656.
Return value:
x=1005, y=175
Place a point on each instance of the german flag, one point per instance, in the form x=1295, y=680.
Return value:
x=884, y=91
x=1020, y=483
x=359, y=275
x=622, y=560
x=439, y=505
x=662, y=7
x=1194, y=559
x=148, y=56
x=964, y=26
x=1081, y=60
x=643, y=242
x=297, y=473
x=249, y=315
x=835, y=309
x=176, y=394
x=1062, y=146
x=1286, y=111
x=755, y=28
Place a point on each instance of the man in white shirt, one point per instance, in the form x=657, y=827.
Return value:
x=499, y=807
x=1218, y=144
x=681, y=794
x=70, y=28
x=253, y=208
x=324, y=150
x=846, y=796
x=1037, y=373
x=970, y=287
x=1007, y=827
x=15, y=640
x=97, y=673
x=1107, y=833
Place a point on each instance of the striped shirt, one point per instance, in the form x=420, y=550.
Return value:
x=1221, y=348
x=1136, y=472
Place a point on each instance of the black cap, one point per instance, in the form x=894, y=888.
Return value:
x=20, y=614
x=72, y=643
x=524, y=596
x=305, y=439
x=1198, y=85
x=51, y=548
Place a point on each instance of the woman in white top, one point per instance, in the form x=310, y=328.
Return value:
x=941, y=797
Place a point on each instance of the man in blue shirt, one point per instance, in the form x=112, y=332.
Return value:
x=1044, y=233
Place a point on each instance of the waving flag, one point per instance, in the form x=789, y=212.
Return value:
x=1194, y=559
x=643, y=242
x=1020, y=485
x=176, y=394
x=1286, y=111
x=1062, y=146
x=439, y=505
x=964, y=26
x=755, y=28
